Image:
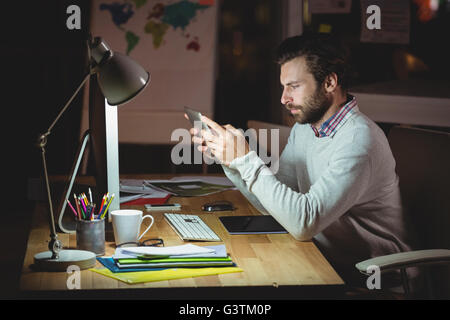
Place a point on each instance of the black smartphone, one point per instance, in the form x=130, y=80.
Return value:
x=194, y=115
x=218, y=206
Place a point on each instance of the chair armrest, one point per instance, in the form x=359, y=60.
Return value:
x=405, y=259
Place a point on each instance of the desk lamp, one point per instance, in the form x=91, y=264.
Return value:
x=120, y=79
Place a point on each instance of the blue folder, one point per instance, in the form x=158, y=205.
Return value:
x=111, y=265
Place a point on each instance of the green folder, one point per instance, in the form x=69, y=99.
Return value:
x=174, y=262
x=165, y=260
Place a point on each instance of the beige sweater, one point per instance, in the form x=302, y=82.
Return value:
x=341, y=191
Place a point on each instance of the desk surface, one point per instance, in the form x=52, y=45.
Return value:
x=269, y=261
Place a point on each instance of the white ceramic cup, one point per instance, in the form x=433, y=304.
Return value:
x=127, y=224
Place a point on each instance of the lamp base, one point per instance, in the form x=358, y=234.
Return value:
x=82, y=259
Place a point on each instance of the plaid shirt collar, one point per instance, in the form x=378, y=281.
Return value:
x=329, y=127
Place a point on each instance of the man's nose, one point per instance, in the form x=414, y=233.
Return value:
x=285, y=98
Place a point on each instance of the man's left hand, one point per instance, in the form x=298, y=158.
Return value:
x=225, y=143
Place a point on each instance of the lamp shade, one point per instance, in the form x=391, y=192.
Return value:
x=120, y=78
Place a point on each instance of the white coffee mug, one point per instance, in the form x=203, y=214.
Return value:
x=127, y=224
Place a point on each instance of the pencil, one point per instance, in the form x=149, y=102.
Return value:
x=90, y=195
x=92, y=212
x=83, y=207
x=88, y=212
x=106, y=199
x=101, y=206
x=77, y=204
x=86, y=202
x=104, y=203
x=72, y=208
x=106, y=209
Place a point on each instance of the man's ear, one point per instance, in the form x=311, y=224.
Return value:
x=331, y=82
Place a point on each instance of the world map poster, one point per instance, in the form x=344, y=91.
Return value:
x=175, y=40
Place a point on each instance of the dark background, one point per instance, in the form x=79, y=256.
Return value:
x=42, y=63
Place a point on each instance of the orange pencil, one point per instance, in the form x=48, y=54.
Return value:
x=101, y=205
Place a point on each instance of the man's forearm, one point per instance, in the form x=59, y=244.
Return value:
x=305, y=214
x=235, y=177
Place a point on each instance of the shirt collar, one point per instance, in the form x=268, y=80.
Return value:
x=329, y=127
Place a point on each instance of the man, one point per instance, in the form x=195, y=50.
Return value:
x=336, y=182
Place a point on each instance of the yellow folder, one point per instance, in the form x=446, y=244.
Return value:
x=167, y=274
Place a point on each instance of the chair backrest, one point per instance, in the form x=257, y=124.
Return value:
x=423, y=166
x=266, y=144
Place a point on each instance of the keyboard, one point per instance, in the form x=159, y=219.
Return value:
x=190, y=227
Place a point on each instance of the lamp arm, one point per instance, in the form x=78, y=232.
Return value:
x=68, y=102
x=55, y=244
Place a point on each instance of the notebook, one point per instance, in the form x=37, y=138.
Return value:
x=251, y=224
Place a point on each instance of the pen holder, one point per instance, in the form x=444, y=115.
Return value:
x=91, y=236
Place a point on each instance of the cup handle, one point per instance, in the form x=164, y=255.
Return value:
x=148, y=228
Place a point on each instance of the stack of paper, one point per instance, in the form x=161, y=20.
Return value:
x=158, y=191
x=187, y=255
x=142, y=264
x=192, y=186
x=132, y=190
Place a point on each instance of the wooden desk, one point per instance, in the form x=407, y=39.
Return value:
x=275, y=266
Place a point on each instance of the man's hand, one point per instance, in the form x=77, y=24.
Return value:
x=225, y=143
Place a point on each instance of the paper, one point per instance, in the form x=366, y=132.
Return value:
x=139, y=186
x=189, y=188
x=218, y=251
x=181, y=36
x=171, y=263
x=124, y=197
x=394, y=22
x=134, y=186
x=223, y=181
x=330, y=6
x=192, y=186
x=133, y=189
x=167, y=251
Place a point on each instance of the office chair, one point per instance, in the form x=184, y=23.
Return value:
x=422, y=164
x=283, y=136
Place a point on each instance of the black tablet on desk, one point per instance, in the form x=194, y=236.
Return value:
x=251, y=224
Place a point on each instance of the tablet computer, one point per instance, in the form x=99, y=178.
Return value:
x=251, y=224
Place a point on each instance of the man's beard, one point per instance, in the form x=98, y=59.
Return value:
x=313, y=109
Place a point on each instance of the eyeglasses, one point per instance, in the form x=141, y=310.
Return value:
x=146, y=243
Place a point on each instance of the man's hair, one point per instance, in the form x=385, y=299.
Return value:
x=324, y=55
